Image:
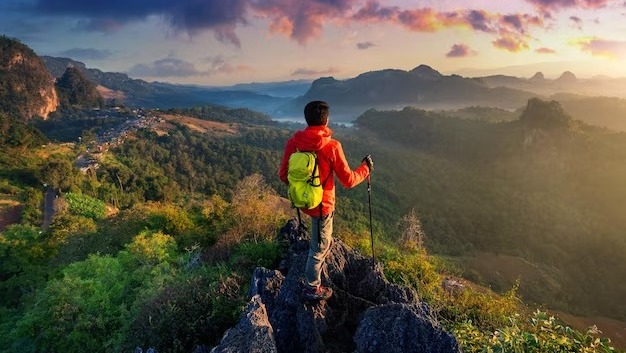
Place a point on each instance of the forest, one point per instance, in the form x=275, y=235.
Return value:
x=155, y=248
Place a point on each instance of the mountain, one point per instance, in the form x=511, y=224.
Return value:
x=76, y=91
x=139, y=93
x=537, y=77
x=423, y=87
x=26, y=88
x=545, y=115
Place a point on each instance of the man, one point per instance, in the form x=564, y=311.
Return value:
x=331, y=159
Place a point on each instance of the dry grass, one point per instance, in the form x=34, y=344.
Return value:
x=199, y=125
x=10, y=210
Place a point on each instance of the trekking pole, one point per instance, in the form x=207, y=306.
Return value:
x=369, y=201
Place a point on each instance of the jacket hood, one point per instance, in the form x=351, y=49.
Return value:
x=313, y=138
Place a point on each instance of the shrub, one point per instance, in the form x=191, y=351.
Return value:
x=540, y=334
x=86, y=206
x=251, y=254
x=195, y=310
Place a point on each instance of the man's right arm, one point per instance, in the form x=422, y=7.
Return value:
x=347, y=177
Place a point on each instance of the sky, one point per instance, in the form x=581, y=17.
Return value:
x=223, y=42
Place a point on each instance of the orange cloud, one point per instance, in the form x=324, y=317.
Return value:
x=510, y=43
x=301, y=20
x=304, y=20
x=544, y=50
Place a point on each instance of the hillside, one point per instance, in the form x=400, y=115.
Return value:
x=76, y=91
x=26, y=88
x=546, y=189
x=177, y=217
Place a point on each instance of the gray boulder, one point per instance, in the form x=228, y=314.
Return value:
x=402, y=328
x=365, y=314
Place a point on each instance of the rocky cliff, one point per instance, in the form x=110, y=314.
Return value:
x=26, y=88
x=365, y=314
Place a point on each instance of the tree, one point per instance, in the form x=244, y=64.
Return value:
x=413, y=235
x=255, y=208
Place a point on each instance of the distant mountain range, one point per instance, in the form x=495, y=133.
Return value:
x=423, y=87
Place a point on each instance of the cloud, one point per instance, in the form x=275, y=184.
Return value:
x=168, y=67
x=364, y=45
x=602, y=47
x=460, y=51
x=312, y=72
x=510, y=43
x=174, y=67
x=86, y=54
x=577, y=22
x=189, y=16
x=547, y=6
x=511, y=30
x=544, y=50
x=219, y=65
x=301, y=20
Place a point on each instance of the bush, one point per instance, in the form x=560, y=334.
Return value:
x=252, y=255
x=195, y=310
x=540, y=334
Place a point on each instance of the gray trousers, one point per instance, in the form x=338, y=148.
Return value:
x=318, y=250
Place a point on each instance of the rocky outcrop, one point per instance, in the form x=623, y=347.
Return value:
x=27, y=88
x=365, y=314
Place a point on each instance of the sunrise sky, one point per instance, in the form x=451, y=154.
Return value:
x=220, y=42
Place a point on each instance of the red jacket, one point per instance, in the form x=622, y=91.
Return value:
x=330, y=159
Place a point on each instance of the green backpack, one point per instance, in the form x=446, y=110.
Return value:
x=305, y=186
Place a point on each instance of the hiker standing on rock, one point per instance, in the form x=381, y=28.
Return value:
x=327, y=157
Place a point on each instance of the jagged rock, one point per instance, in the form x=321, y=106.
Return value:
x=327, y=326
x=402, y=328
x=253, y=333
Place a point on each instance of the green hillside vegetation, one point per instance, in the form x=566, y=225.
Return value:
x=544, y=188
x=188, y=216
x=223, y=114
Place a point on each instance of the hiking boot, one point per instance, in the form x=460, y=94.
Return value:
x=319, y=293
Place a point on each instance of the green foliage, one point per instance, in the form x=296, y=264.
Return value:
x=86, y=206
x=31, y=212
x=548, y=190
x=23, y=255
x=215, y=113
x=195, y=310
x=169, y=218
x=89, y=306
x=58, y=172
x=15, y=133
x=540, y=334
x=253, y=254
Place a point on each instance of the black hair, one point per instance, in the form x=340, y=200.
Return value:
x=316, y=113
